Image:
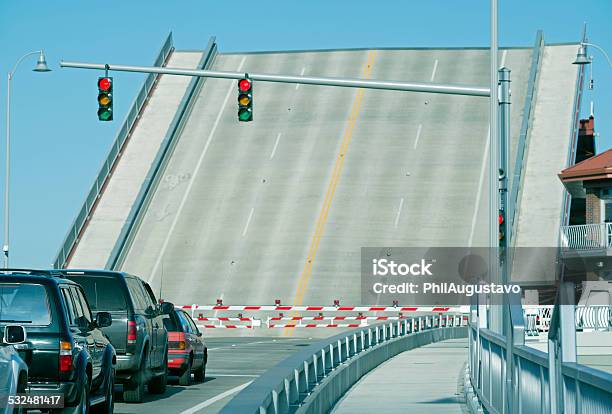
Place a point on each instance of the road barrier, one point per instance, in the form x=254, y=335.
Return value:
x=440, y=321
x=314, y=379
x=226, y=326
x=537, y=317
x=443, y=315
x=284, y=308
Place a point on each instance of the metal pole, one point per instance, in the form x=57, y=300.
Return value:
x=306, y=80
x=496, y=322
x=504, y=151
x=7, y=176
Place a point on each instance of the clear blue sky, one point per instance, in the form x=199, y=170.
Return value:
x=58, y=143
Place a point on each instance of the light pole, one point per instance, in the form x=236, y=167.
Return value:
x=41, y=66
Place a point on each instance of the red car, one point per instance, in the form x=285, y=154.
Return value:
x=187, y=352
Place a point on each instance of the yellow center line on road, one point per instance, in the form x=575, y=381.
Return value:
x=331, y=190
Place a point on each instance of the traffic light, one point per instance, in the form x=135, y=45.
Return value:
x=105, y=98
x=245, y=100
x=502, y=227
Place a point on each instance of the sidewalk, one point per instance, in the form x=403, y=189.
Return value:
x=423, y=380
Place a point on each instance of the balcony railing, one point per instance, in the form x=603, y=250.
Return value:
x=587, y=236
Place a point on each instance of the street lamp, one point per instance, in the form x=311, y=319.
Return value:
x=41, y=66
x=581, y=56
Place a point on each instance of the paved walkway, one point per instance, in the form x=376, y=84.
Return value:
x=424, y=380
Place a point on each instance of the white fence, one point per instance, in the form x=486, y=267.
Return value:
x=587, y=236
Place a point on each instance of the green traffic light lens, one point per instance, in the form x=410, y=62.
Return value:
x=245, y=114
x=105, y=114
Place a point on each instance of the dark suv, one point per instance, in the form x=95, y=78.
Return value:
x=65, y=349
x=137, y=332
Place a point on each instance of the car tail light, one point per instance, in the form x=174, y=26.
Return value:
x=131, y=334
x=65, y=357
x=177, y=345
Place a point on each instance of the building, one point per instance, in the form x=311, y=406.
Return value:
x=586, y=240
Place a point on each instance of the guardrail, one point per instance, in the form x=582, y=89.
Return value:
x=517, y=177
x=587, y=236
x=139, y=207
x=313, y=380
x=74, y=232
x=573, y=134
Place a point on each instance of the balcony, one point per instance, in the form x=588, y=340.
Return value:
x=587, y=237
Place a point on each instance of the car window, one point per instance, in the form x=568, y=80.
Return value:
x=149, y=294
x=84, y=305
x=184, y=322
x=77, y=305
x=24, y=303
x=138, y=295
x=103, y=293
x=193, y=326
x=69, y=306
x=82, y=313
x=171, y=323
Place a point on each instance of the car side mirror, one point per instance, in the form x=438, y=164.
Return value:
x=104, y=319
x=151, y=311
x=199, y=333
x=167, y=308
x=14, y=334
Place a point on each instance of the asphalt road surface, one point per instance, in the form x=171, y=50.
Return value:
x=233, y=363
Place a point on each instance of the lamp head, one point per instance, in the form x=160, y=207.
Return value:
x=581, y=56
x=41, y=65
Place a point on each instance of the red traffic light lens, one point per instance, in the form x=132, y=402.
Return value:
x=244, y=85
x=500, y=219
x=104, y=84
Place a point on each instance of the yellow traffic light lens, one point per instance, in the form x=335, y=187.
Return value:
x=244, y=99
x=103, y=100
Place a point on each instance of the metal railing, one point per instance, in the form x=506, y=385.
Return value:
x=313, y=380
x=587, y=236
x=588, y=318
x=147, y=189
x=574, y=388
x=597, y=318
x=72, y=237
x=573, y=135
x=517, y=177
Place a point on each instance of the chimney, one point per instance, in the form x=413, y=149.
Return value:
x=587, y=127
x=586, y=138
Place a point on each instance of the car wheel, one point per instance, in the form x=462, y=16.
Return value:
x=157, y=385
x=134, y=391
x=185, y=379
x=200, y=374
x=108, y=406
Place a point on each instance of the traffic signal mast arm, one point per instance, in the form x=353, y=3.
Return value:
x=305, y=80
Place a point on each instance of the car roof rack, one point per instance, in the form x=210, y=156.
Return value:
x=33, y=272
